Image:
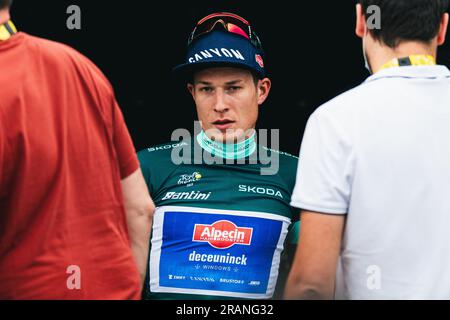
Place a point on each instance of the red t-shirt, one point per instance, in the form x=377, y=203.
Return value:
x=64, y=148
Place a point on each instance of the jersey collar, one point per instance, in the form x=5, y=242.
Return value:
x=227, y=151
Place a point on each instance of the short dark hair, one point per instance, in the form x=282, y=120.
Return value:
x=5, y=4
x=407, y=20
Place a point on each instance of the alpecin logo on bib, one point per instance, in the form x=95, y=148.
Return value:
x=222, y=234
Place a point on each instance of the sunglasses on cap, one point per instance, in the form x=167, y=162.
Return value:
x=228, y=21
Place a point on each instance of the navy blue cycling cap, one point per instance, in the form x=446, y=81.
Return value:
x=221, y=45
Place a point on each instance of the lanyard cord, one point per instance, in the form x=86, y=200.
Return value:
x=413, y=60
x=7, y=30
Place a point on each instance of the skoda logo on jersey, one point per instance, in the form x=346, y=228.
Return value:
x=222, y=234
x=189, y=178
x=260, y=190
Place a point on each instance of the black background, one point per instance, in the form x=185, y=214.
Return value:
x=312, y=53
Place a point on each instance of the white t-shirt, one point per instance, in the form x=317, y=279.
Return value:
x=380, y=153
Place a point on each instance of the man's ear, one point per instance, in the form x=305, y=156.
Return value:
x=442, y=30
x=191, y=89
x=264, y=86
x=361, y=26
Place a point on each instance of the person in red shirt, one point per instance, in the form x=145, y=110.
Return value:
x=75, y=213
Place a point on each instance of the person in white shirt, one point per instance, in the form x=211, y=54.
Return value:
x=373, y=180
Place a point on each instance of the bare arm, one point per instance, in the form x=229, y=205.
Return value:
x=139, y=210
x=314, y=269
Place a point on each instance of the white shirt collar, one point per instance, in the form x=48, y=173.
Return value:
x=425, y=72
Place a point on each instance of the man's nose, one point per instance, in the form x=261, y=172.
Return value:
x=220, y=104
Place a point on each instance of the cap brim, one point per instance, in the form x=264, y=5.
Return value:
x=186, y=71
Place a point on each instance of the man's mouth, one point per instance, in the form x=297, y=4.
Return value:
x=223, y=124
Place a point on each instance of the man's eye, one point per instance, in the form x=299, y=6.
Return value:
x=206, y=89
x=234, y=88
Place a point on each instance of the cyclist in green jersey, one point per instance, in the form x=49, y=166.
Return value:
x=223, y=226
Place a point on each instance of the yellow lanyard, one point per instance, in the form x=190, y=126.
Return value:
x=413, y=60
x=7, y=30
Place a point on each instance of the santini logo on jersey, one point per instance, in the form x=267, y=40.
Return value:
x=212, y=53
x=260, y=190
x=222, y=234
x=193, y=195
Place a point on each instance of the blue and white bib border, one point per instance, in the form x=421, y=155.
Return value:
x=164, y=253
